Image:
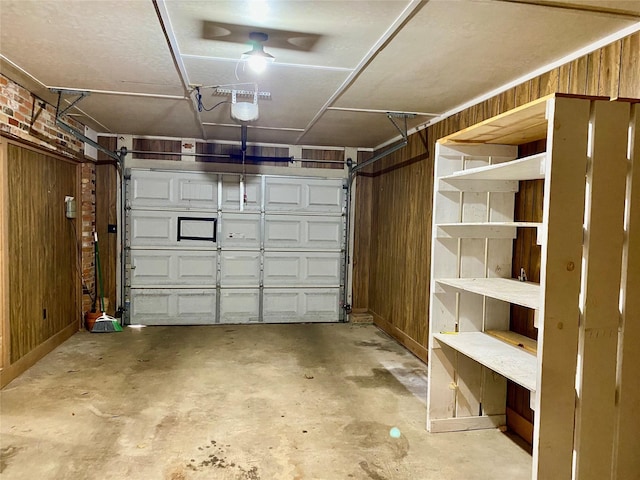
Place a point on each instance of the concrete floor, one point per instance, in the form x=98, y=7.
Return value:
x=237, y=402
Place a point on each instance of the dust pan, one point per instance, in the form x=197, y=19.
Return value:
x=104, y=323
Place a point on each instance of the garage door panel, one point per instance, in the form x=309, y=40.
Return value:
x=324, y=232
x=239, y=305
x=172, y=267
x=240, y=230
x=323, y=269
x=151, y=191
x=151, y=228
x=173, y=306
x=240, y=269
x=303, y=195
x=325, y=197
x=301, y=305
x=197, y=267
x=193, y=190
x=307, y=232
x=198, y=193
x=231, y=193
x=302, y=268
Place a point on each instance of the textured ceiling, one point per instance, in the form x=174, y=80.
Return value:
x=340, y=65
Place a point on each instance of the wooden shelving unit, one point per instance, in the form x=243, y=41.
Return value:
x=471, y=351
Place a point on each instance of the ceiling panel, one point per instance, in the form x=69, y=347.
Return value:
x=143, y=116
x=451, y=52
x=105, y=45
x=347, y=29
x=355, y=129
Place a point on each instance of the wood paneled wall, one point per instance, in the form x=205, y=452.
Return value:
x=397, y=214
x=321, y=154
x=360, y=257
x=400, y=242
x=43, y=267
x=107, y=180
x=156, y=145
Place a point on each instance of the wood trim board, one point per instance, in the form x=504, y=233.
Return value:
x=17, y=368
x=414, y=347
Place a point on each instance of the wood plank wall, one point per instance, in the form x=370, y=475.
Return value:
x=400, y=242
x=320, y=154
x=526, y=254
x=362, y=233
x=107, y=180
x=43, y=248
x=393, y=281
x=156, y=145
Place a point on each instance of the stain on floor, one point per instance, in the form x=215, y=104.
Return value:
x=214, y=455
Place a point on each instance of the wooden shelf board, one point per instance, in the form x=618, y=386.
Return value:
x=523, y=124
x=527, y=168
x=510, y=361
x=482, y=229
x=509, y=290
x=515, y=339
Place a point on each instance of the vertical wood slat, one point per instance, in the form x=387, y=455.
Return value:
x=578, y=80
x=593, y=72
x=630, y=67
x=5, y=354
x=604, y=212
x=565, y=73
x=560, y=287
x=627, y=461
x=609, y=81
x=549, y=82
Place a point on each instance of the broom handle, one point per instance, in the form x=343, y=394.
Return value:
x=99, y=273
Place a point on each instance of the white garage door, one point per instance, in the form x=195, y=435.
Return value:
x=197, y=256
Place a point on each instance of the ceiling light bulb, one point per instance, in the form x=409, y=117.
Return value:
x=257, y=63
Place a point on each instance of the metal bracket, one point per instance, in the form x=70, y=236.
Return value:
x=392, y=115
x=242, y=93
x=80, y=95
x=118, y=155
x=41, y=106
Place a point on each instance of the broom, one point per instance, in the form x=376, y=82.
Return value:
x=104, y=323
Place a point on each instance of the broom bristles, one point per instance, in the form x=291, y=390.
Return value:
x=106, y=323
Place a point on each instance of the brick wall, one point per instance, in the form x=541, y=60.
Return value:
x=16, y=106
x=88, y=227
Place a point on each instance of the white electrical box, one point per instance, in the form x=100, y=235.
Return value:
x=70, y=207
